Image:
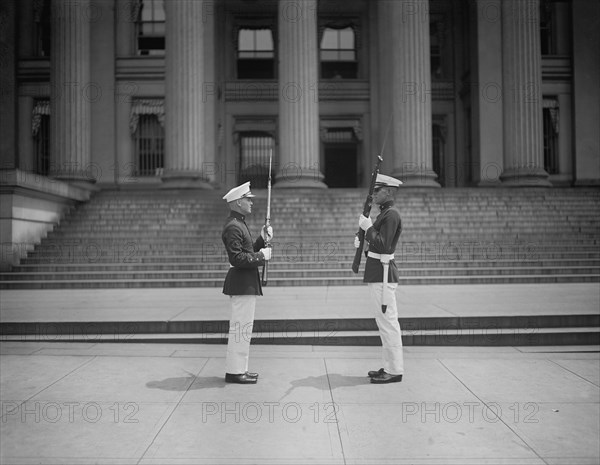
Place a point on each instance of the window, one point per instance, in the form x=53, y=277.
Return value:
x=441, y=48
x=548, y=43
x=340, y=154
x=435, y=43
x=150, y=27
x=41, y=20
x=40, y=129
x=550, y=123
x=555, y=29
x=438, y=133
x=256, y=149
x=146, y=123
x=338, y=53
x=255, y=54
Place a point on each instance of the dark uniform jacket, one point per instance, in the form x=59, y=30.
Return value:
x=382, y=238
x=243, y=277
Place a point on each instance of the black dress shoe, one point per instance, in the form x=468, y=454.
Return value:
x=251, y=375
x=385, y=378
x=239, y=379
x=372, y=374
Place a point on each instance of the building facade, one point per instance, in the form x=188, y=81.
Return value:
x=192, y=93
x=469, y=92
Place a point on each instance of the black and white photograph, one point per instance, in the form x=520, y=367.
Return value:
x=300, y=232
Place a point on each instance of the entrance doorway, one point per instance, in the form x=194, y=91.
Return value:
x=340, y=165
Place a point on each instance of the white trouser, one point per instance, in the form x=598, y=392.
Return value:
x=240, y=333
x=389, y=328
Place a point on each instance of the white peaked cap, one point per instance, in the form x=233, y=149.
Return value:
x=386, y=181
x=239, y=192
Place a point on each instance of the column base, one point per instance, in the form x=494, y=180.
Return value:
x=73, y=177
x=299, y=179
x=425, y=178
x=489, y=183
x=525, y=177
x=184, y=180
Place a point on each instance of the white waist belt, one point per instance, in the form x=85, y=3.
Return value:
x=381, y=256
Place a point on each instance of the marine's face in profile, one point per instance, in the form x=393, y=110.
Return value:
x=245, y=204
x=381, y=195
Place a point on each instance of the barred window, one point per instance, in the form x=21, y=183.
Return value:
x=256, y=149
x=150, y=27
x=146, y=123
x=438, y=133
x=550, y=123
x=149, y=146
x=40, y=130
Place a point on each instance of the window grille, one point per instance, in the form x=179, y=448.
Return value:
x=40, y=130
x=150, y=26
x=438, y=133
x=255, y=150
x=550, y=124
x=149, y=146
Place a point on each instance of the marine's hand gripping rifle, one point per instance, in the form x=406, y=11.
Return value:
x=366, y=211
x=265, y=269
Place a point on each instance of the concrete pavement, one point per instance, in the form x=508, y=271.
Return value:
x=114, y=403
x=506, y=314
x=177, y=304
x=122, y=403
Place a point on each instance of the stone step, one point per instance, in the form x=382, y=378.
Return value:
x=447, y=331
x=146, y=238
x=307, y=281
x=291, y=227
x=449, y=337
x=216, y=263
x=320, y=260
x=294, y=272
x=324, y=246
x=569, y=259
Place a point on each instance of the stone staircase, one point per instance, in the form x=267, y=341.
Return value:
x=143, y=238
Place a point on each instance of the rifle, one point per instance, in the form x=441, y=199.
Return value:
x=366, y=212
x=265, y=270
x=367, y=207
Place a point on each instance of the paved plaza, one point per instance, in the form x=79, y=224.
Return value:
x=116, y=403
x=102, y=402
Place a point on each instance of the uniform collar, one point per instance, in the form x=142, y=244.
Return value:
x=386, y=205
x=237, y=215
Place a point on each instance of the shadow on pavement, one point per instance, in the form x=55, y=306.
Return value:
x=326, y=382
x=193, y=382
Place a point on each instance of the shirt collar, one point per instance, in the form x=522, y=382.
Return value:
x=238, y=215
x=385, y=205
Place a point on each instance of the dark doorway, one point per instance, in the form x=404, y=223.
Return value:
x=340, y=165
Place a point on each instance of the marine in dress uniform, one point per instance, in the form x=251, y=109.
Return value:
x=381, y=275
x=242, y=283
